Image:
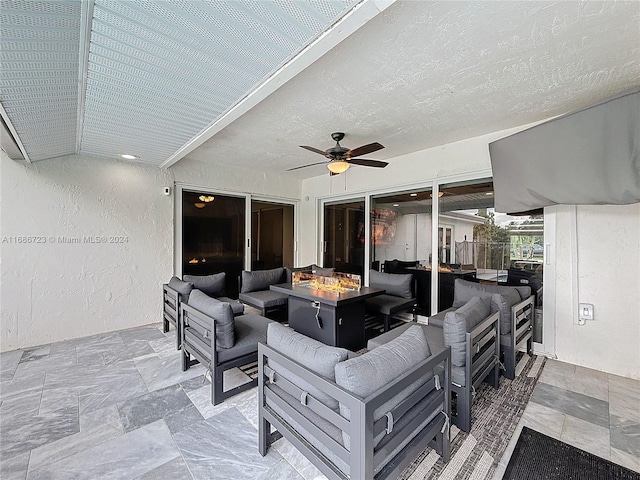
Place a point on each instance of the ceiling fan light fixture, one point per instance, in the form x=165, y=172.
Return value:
x=338, y=166
x=206, y=198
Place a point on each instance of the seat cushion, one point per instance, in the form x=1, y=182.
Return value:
x=222, y=314
x=457, y=323
x=264, y=299
x=435, y=339
x=437, y=320
x=249, y=330
x=183, y=288
x=310, y=353
x=373, y=370
x=236, y=306
x=388, y=304
x=395, y=284
x=261, y=279
x=212, y=285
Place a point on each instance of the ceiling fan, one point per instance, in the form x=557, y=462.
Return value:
x=340, y=158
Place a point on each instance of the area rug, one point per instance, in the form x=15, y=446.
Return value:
x=539, y=457
x=495, y=415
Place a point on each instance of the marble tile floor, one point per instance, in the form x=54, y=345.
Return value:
x=118, y=406
x=592, y=410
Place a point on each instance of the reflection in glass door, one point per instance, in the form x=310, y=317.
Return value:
x=401, y=238
x=213, y=236
x=344, y=236
x=272, y=235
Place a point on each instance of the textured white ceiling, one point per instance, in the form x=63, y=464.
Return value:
x=423, y=74
x=419, y=74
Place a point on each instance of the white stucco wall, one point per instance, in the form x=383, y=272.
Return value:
x=53, y=291
x=608, y=267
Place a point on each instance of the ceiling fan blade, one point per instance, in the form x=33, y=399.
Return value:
x=363, y=150
x=366, y=162
x=305, y=166
x=313, y=149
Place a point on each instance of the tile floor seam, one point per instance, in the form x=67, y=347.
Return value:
x=180, y=452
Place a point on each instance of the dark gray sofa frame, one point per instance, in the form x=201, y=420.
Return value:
x=199, y=340
x=483, y=347
x=521, y=335
x=171, y=312
x=364, y=463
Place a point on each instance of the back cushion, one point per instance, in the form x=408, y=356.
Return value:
x=503, y=298
x=212, y=285
x=183, y=288
x=395, y=284
x=261, y=279
x=221, y=312
x=377, y=368
x=457, y=323
x=313, y=355
x=323, y=272
x=289, y=272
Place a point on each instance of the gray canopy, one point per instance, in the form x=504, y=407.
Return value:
x=591, y=157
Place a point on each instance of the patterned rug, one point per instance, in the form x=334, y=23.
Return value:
x=494, y=416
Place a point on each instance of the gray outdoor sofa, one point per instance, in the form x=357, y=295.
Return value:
x=472, y=332
x=516, y=307
x=177, y=291
x=358, y=417
x=254, y=291
x=213, y=336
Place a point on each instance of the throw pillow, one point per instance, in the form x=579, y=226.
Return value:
x=310, y=353
x=457, y=323
x=221, y=312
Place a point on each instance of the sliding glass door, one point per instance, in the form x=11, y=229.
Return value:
x=213, y=236
x=272, y=237
x=344, y=236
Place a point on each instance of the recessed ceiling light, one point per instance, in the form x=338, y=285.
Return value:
x=128, y=156
x=413, y=195
x=396, y=205
x=489, y=194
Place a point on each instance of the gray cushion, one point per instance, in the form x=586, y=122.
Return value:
x=264, y=299
x=183, y=288
x=435, y=339
x=388, y=304
x=312, y=354
x=236, y=306
x=323, y=272
x=212, y=285
x=377, y=368
x=459, y=322
x=249, y=330
x=289, y=271
x=222, y=314
x=395, y=284
x=465, y=290
x=261, y=279
x=437, y=320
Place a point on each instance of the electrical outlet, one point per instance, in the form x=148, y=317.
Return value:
x=585, y=312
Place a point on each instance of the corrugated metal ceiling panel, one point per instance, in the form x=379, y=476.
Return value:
x=159, y=72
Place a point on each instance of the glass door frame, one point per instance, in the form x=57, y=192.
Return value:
x=320, y=225
x=180, y=187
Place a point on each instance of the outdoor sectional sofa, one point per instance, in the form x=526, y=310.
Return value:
x=516, y=307
x=354, y=416
x=213, y=336
x=473, y=333
x=177, y=291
